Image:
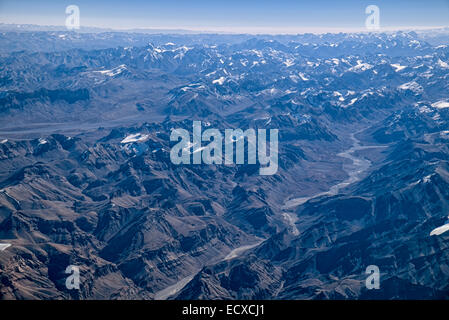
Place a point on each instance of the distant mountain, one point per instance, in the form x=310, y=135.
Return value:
x=33, y=27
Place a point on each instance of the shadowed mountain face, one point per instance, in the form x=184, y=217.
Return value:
x=86, y=178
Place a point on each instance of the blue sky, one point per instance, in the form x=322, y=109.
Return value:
x=281, y=16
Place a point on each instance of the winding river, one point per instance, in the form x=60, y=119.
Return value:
x=175, y=288
x=359, y=165
x=354, y=171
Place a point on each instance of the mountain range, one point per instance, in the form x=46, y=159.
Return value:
x=86, y=177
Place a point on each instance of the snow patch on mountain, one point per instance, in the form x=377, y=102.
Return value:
x=352, y=101
x=443, y=64
x=361, y=66
x=113, y=72
x=412, y=86
x=441, y=104
x=440, y=230
x=138, y=137
x=303, y=77
x=339, y=95
x=398, y=67
x=219, y=81
x=289, y=62
x=424, y=109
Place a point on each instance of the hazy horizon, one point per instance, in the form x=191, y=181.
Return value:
x=262, y=17
x=266, y=31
